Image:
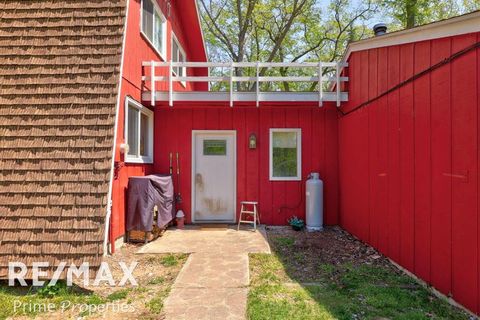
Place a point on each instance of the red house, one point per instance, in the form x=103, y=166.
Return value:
x=395, y=140
x=183, y=117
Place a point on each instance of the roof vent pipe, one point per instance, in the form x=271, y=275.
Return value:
x=380, y=29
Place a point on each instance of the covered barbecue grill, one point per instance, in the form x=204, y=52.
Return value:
x=144, y=193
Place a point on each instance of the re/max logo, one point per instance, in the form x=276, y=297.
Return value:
x=18, y=271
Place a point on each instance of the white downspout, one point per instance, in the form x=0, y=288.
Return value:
x=112, y=169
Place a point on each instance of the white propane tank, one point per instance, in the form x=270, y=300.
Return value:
x=314, y=202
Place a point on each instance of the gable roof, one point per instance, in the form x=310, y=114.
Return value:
x=462, y=24
x=59, y=77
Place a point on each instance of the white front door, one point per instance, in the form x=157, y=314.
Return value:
x=214, y=176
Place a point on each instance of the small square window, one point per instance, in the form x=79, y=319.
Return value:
x=285, y=154
x=138, y=132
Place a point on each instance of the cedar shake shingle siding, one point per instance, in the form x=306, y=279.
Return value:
x=59, y=77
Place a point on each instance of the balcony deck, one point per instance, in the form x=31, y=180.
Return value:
x=325, y=75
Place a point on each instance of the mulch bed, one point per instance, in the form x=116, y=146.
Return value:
x=305, y=252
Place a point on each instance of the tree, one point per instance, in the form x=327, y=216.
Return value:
x=305, y=30
x=286, y=30
x=411, y=13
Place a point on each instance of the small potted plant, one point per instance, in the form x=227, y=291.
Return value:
x=296, y=223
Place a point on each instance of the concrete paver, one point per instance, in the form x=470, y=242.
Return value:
x=194, y=239
x=211, y=270
x=213, y=283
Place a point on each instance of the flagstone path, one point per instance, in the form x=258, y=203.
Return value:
x=213, y=283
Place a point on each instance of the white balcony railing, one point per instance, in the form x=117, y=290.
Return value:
x=320, y=76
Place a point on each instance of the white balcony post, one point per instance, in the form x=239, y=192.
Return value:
x=152, y=83
x=170, y=84
x=257, y=86
x=338, y=84
x=320, y=85
x=231, y=84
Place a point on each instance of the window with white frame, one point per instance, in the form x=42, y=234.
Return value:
x=138, y=132
x=285, y=154
x=153, y=26
x=178, y=55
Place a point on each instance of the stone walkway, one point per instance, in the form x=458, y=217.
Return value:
x=213, y=283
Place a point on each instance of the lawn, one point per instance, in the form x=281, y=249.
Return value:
x=35, y=300
x=330, y=275
x=155, y=274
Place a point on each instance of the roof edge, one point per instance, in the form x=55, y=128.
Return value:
x=466, y=23
x=106, y=236
x=197, y=9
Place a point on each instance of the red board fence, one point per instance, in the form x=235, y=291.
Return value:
x=409, y=161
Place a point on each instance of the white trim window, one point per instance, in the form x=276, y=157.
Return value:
x=285, y=154
x=138, y=132
x=153, y=26
x=178, y=55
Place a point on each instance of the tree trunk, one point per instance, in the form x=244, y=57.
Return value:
x=411, y=13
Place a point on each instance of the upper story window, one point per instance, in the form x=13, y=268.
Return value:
x=138, y=132
x=154, y=26
x=285, y=154
x=178, y=55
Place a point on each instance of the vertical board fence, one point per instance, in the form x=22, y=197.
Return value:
x=409, y=161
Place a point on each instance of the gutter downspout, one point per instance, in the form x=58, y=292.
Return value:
x=115, y=132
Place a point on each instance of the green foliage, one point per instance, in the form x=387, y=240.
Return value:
x=284, y=241
x=33, y=300
x=52, y=290
x=156, y=280
x=360, y=292
x=155, y=305
x=410, y=13
x=305, y=30
x=284, y=162
x=169, y=260
x=273, y=31
x=296, y=222
x=118, y=295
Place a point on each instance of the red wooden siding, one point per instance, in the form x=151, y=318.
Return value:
x=173, y=133
x=409, y=162
x=137, y=49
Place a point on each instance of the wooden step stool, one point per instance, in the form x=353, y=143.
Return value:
x=253, y=212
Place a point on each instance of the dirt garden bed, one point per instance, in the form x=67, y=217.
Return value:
x=154, y=273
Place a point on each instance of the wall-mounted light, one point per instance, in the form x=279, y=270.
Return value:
x=252, y=141
x=124, y=148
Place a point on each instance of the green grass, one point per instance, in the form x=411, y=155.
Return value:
x=156, y=280
x=168, y=260
x=339, y=292
x=171, y=260
x=155, y=305
x=118, y=295
x=33, y=300
x=284, y=241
